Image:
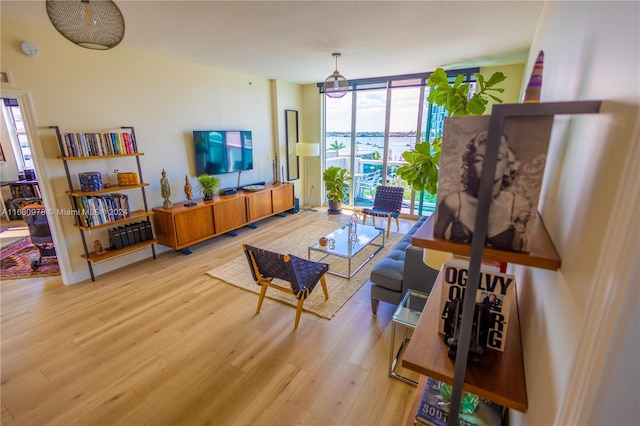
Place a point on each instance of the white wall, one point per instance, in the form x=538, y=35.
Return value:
x=288, y=96
x=163, y=98
x=591, y=52
x=511, y=85
x=311, y=131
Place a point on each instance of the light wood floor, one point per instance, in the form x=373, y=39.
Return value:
x=161, y=342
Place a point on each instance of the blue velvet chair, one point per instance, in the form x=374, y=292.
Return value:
x=301, y=274
x=387, y=203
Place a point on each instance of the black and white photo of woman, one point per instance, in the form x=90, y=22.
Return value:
x=517, y=181
x=510, y=212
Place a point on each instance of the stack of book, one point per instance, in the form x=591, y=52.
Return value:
x=434, y=411
x=130, y=234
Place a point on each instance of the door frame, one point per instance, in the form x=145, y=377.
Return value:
x=44, y=182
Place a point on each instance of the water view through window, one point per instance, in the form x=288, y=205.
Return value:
x=368, y=130
x=386, y=123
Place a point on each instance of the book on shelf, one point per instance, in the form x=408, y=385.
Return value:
x=495, y=290
x=148, y=230
x=434, y=411
x=137, y=236
x=85, y=144
x=115, y=237
x=94, y=210
x=517, y=183
x=129, y=230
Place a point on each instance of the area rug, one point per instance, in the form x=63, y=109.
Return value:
x=340, y=289
x=16, y=258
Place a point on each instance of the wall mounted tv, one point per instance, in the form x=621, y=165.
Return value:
x=222, y=151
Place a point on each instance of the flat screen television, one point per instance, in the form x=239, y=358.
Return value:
x=222, y=151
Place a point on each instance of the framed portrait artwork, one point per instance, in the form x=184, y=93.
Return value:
x=516, y=186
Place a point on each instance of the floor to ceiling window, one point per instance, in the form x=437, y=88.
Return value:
x=368, y=129
x=338, y=133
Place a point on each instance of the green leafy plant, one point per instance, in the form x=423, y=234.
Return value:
x=208, y=184
x=421, y=170
x=336, y=183
x=455, y=97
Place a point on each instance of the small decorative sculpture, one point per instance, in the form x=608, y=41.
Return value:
x=332, y=243
x=532, y=93
x=353, y=237
x=188, y=190
x=97, y=247
x=165, y=190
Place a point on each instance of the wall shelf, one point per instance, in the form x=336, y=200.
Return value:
x=500, y=377
x=502, y=380
x=543, y=254
x=89, y=157
x=110, y=254
x=103, y=144
x=137, y=214
x=112, y=188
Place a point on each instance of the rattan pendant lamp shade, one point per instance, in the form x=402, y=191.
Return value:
x=336, y=86
x=94, y=24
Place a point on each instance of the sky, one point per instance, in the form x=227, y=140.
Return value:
x=370, y=111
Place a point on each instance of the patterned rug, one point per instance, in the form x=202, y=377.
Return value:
x=340, y=289
x=16, y=258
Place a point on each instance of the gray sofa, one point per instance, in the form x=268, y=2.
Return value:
x=399, y=271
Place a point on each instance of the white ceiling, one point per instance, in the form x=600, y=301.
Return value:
x=294, y=40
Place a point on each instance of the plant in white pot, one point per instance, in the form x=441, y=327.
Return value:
x=421, y=170
x=336, y=183
x=208, y=184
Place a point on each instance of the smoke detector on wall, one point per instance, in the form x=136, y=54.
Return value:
x=29, y=48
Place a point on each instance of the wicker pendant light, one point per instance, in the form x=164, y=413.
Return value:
x=94, y=24
x=336, y=86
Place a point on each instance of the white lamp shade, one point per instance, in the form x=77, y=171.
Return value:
x=434, y=258
x=308, y=149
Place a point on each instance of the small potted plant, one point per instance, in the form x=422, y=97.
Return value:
x=208, y=184
x=335, y=179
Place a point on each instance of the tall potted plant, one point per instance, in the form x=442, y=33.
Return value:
x=421, y=170
x=336, y=183
x=208, y=184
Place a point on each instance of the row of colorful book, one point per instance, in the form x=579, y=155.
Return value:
x=96, y=144
x=94, y=210
x=130, y=234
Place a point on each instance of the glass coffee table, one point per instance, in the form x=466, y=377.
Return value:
x=346, y=243
x=406, y=315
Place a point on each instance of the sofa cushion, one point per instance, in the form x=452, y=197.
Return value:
x=388, y=272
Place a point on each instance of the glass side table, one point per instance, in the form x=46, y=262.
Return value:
x=406, y=315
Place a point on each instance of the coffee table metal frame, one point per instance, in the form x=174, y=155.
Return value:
x=346, y=247
x=406, y=315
